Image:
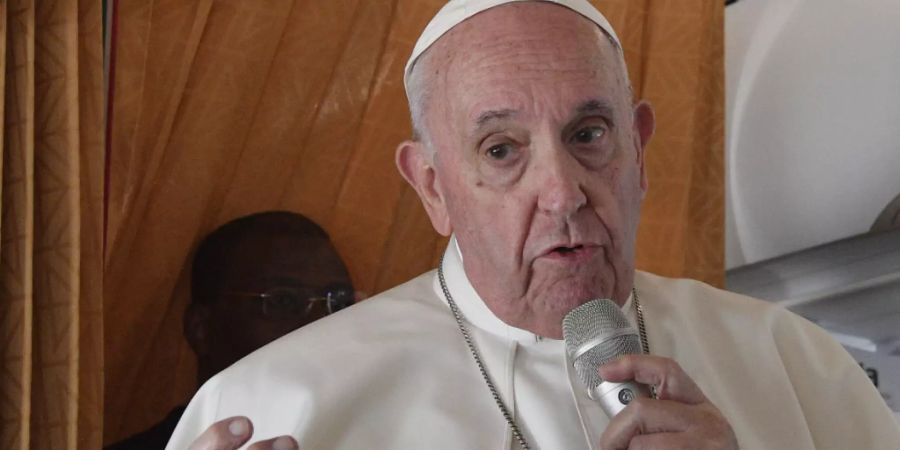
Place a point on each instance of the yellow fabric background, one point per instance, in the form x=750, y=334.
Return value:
x=223, y=108
x=51, y=53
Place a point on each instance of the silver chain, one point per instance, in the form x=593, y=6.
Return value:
x=645, y=346
x=481, y=368
x=642, y=330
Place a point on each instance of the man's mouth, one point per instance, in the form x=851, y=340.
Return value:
x=576, y=253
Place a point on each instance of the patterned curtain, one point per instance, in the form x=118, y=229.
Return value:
x=223, y=108
x=50, y=233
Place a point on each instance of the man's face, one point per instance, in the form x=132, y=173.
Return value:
x=538, y=163
x=286, y=269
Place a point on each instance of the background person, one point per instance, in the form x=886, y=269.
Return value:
x=253, y=280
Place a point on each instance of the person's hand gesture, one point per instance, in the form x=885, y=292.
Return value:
x=233, y=432
x=680, y=417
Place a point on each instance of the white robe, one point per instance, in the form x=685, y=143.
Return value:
x=394, y=373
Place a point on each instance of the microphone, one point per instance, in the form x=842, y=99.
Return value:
x=595, y=333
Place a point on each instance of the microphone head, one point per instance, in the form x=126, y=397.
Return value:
x=595, y=333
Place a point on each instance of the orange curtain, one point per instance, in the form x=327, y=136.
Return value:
x=223, y=108
x=50, y=251
x=675, y=54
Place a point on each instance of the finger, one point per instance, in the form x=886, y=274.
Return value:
x=646, y=416
x=279, y=443
x=226, y=434
x=670, y=381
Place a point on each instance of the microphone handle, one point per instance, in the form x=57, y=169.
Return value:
x=614, y=397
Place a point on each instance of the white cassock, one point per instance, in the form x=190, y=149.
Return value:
x=394, y=373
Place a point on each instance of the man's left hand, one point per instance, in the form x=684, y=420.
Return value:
x=680, y=417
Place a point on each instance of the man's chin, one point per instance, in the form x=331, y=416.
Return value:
x=576, y=290
x=566, y=298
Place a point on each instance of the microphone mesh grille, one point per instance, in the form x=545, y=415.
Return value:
x=602, y=324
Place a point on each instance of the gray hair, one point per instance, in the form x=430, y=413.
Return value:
x=420, y=78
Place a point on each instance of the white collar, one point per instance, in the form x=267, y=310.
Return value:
x=473, y=307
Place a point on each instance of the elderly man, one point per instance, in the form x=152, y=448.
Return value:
x=530, y=152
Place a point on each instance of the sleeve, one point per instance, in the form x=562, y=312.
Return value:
x=201, y=412
x=842, y=407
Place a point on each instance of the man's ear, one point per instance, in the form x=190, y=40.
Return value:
x=417, y=167
x=644, y=126
x=196, y=328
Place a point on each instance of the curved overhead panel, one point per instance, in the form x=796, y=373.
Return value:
x=813, y=149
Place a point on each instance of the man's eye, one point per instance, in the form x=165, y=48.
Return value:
x=589, y=134
x=500, y=151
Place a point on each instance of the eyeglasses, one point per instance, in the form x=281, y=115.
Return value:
x=285, y=302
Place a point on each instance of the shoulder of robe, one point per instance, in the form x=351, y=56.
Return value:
x=690, y=299
x=690, y=308
x=696, y=301
x=409, y=316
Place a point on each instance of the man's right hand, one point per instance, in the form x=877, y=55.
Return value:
x=233, y=432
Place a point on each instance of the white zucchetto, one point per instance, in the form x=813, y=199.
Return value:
x=457, y=11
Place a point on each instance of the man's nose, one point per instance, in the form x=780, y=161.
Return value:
x=560, y=187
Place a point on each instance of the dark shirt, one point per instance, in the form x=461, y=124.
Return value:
x=154, y=438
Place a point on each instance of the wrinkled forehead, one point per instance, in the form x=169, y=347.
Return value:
x=456, y=12
x=536, y=61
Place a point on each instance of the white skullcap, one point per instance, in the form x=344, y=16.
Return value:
x=457, y=11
